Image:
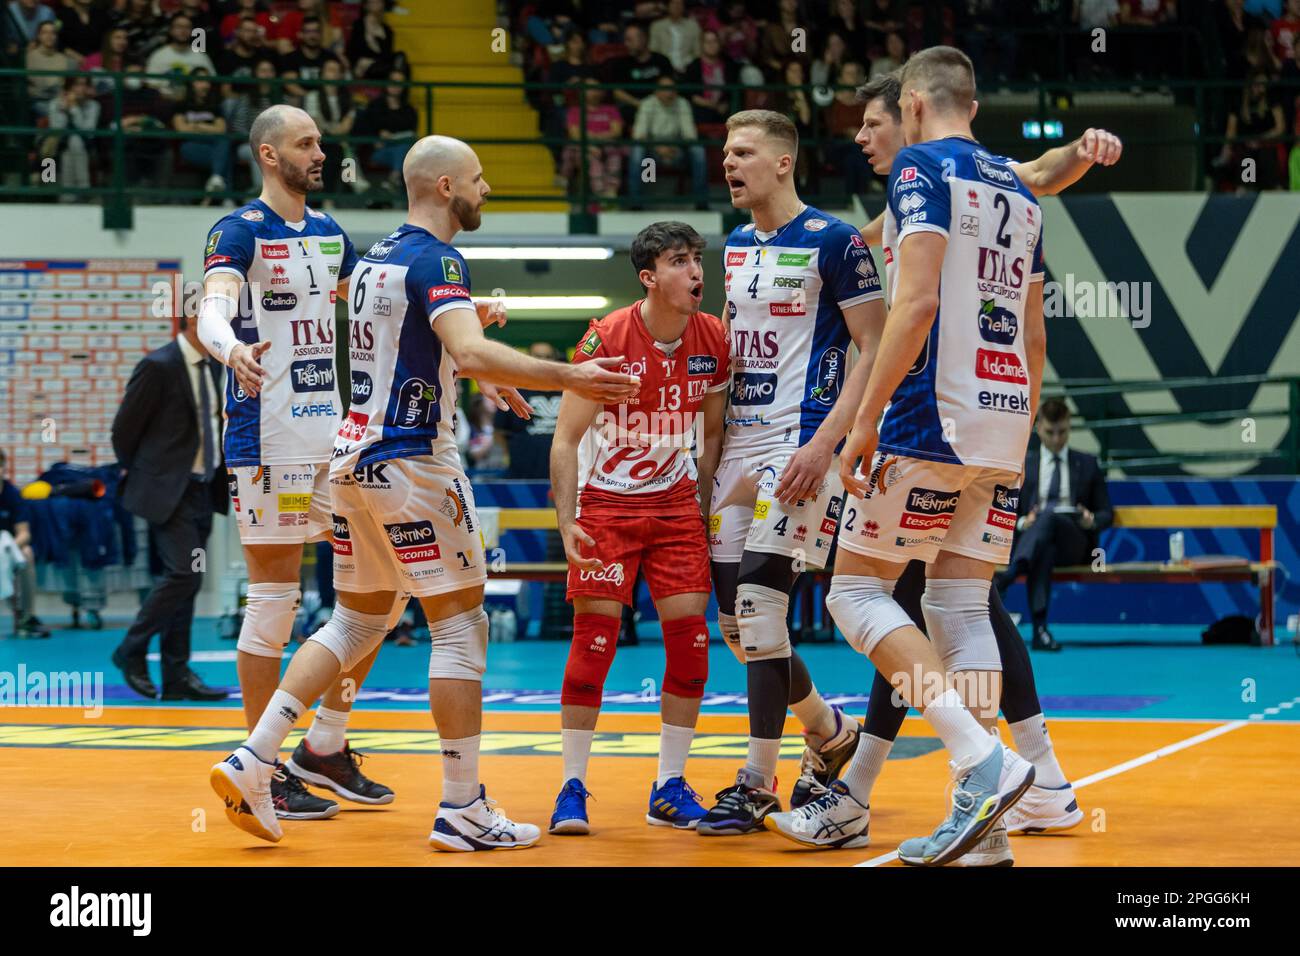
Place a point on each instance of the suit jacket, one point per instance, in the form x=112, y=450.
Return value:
x=1087, y=488
x=156, y=436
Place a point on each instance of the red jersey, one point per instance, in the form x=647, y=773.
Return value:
x=639, y=455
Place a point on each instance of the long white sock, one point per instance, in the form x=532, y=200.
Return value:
x=674, y=745
x=460, y=770
x=328, y=731
x=1035, y=745
x=762, y=758
x=576, y=746
x=277, y=721
x=957, y=728
x=815, y=714
x=865, y=766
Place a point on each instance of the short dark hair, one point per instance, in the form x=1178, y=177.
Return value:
x=1054, y=410
x=660, y=237
x=884, y=87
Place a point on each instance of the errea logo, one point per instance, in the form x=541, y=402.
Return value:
x=76, y=909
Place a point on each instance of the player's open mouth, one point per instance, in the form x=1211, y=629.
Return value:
x=697, y=290
x=734, y=184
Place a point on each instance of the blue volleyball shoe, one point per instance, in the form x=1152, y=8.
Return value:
x=570, y=816
x=675, y=805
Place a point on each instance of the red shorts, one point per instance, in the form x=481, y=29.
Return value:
x=671, y=551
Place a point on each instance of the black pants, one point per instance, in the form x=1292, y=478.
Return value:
x=1051, y=541
x=169, y=609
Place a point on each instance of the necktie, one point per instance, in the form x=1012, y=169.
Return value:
x=1054, y=482
x=205, y=425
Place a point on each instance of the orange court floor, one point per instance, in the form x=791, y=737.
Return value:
x=130, y=788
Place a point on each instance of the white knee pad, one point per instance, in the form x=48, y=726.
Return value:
x=957, y=617
x=458, y=646
x=760, y=614
x=864, y=610
x=351, y=635
x=731, y=635
x=268, y=619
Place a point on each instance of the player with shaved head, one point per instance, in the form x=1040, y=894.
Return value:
x=404, y=518
x=273, y=269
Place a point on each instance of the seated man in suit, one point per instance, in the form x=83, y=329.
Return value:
x=1064, y=507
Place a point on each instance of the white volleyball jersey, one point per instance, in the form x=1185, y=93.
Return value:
x=966, y=398
x=291, y=273
x=403, y=380
x=789, y=343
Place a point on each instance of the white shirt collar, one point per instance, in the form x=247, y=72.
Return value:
x=192, y=355
x=1045, y=456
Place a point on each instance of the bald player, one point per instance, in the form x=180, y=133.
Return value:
x=273, y=270
x=404, y=517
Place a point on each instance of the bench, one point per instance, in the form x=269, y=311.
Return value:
x=1174, y=517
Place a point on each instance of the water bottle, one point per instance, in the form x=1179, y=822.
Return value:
x=1176, y=548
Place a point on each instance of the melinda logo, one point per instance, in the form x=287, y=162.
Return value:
x=1000, y=366
x=74, y=909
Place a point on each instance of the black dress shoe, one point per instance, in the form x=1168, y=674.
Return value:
x=1043, y=641
x=192, y=688
x=136, y=675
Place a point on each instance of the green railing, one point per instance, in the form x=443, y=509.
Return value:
x=1206, y=102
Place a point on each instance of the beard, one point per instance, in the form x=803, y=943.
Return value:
x=469, y=217
x=300, y=182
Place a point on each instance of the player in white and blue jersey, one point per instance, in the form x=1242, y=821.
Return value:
x=273, y=271
x=404, y=518
x=801, y=288
x=955, y=376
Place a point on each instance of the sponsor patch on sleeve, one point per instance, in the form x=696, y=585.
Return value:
x=212, y=243
x=590, y=343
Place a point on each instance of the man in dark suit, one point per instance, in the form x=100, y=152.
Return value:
x=1064, y=507
x=167, y=438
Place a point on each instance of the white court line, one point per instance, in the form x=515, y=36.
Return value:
x=1120, y=768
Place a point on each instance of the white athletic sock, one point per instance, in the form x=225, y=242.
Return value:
x=957, y=728
x=276, y=722
x=674, y=745
x=328, y=731
x=576, y=746
x=1034, y=744
x=460, y=770
x=865, y=766
x=762, y=758
x=815, y=714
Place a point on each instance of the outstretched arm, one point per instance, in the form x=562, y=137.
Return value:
x=1059, y=168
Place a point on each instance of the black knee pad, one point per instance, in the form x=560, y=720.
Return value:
x=773, y=571
x=724, y=585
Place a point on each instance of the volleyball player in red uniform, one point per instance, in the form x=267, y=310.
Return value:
x=628, y=491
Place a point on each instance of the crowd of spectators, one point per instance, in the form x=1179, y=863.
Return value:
x=262, y=52
x=724, y=55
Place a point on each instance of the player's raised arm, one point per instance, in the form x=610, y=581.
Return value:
x=575, y=417
x=478, y=357
x=1060, y=168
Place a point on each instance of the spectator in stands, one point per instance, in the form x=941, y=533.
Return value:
x=880, y=19
x=528, y=442
x=242, y=108
x=841, y=122
x=1064, y=507
x=640, y=66
x=714, y=72
x=111, y=58
x=306, y=61
x=370, y=48
x=29, y=15
x=199, y=111
x=145, y=29
x=286, y=28
x=1233, y=27
x=847, y=22
x=1267, y=10
x=144, y=110
x=241, y=54
x=45, y=55
x=15, y=523
x=1283, y=32
x=676, y=36
x=551, y=24
x=76, y=109
x=661, y=117
x=895, y=56
x=330, y=105
x=826, y=67
x=738, y=31
x=82, y=25
x=571, y=70
x=484, y=454
x=1254, y=130
x=604, y=162
x=393, y=119
x=247, y=8
x=177, y=55
x=990, y=39
x=1090, y=15
x=204, y=20
x=777, y=41
x=796, y=103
